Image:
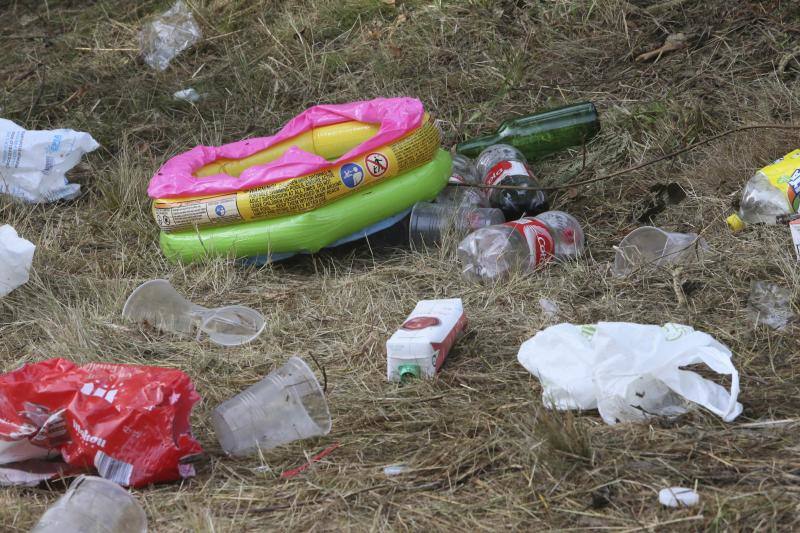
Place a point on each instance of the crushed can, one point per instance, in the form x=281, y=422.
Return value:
x=420, y=347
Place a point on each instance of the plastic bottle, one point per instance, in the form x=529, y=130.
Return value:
x=431, y=223
x=494, y=251
x=463, y=172
x=541, y=134
x=773, y=192
x=503, y=164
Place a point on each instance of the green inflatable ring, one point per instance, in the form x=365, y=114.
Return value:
x=309, y=232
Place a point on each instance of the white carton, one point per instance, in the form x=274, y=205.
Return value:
x=421, y=344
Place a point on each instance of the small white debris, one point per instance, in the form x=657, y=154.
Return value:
x=550, y=309
x=187, y=95
x=395, y=470
x=678, y=497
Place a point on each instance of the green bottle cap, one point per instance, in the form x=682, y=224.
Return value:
x=408, y=371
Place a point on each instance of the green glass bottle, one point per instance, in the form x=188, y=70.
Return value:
x=541, y=134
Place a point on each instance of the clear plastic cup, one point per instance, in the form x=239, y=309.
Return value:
x=431, y=223
x=285, y=406
x=653, y=246
x=158, y=304
x=93, y=505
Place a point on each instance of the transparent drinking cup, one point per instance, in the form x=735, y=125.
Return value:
x=651, y=246
x=93, y=505
x=285, y=406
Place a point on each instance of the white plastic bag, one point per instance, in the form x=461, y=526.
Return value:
x=630, y=371
x=16, y=256
x=33, y=163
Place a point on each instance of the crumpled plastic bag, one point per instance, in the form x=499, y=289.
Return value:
x=33, y=163
x=629, y=372
x=130, y=422
x=168, y=35
x=16, y=256
x=770, y=304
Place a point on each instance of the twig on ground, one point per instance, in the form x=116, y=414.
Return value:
x=107, y=49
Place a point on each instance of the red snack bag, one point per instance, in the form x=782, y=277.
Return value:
x=129, y=422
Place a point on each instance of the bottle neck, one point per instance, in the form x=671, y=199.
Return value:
x=473, y=147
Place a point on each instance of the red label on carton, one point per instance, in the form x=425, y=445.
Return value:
x=443, y=348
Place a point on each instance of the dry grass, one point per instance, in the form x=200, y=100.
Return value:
x=484, y=452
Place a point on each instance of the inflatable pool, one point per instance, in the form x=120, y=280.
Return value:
x=324, y=154
x=313, y=230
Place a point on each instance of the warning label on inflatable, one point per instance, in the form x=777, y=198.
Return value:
x=377, y=164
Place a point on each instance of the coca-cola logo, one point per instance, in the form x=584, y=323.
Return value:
x=497, y=172
x=543, y=243
x=538, y=236
x=420, y=322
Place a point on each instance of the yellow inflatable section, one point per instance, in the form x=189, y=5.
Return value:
x=303, y=193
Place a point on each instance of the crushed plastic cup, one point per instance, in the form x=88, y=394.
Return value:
x=93, y=505
x=158, y=304
x=770, y=305
x=285, y=406
x=651, y=246
x=431, y=223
